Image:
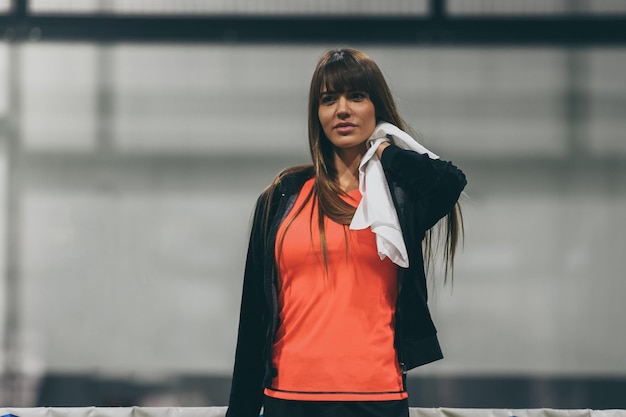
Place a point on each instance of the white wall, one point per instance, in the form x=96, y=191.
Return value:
x=141, y=164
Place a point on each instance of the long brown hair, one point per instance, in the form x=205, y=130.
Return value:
x=351, y=70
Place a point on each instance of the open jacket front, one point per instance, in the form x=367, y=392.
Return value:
x=423, y=190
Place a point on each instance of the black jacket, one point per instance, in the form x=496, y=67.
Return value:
x=424, y=190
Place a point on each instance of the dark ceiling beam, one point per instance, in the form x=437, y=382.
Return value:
x=436, y=29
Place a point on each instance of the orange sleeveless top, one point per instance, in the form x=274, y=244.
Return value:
x=335, y=341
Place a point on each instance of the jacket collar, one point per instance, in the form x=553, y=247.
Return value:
x=292, y=183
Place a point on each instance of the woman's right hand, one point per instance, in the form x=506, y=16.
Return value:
x=381, y=148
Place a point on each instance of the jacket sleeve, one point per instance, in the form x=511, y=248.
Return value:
x=246, y=394
x=434, y=185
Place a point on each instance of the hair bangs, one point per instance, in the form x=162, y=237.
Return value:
x=342, y=74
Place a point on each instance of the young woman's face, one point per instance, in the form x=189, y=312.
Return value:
x=347, y=118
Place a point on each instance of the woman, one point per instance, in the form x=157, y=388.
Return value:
x=333, y=314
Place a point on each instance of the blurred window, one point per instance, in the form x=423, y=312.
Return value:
x=4, y=79
x=67, y=6
x=211, y=98
x=533, y=7
x=606, y=6
x=607, y=101
x=59, y=96
x=235, y=7
x=481, y=101
x=246, y=100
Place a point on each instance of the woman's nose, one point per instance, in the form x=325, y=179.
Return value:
x=343, y=108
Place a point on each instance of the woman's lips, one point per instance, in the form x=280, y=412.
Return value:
x=344, y=128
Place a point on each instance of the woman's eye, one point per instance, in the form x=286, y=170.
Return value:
x=357, y=96
x=327, y=99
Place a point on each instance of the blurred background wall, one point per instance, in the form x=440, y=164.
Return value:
x=135, y=137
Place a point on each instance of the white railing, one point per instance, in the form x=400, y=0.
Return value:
x=220, y=411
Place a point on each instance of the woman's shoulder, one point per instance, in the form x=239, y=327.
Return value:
x=302, y=172
x=287, y=182
x=290, y=179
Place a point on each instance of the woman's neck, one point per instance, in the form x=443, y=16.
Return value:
x=347, y=163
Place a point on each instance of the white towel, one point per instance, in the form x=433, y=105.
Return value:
x=376, y=209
